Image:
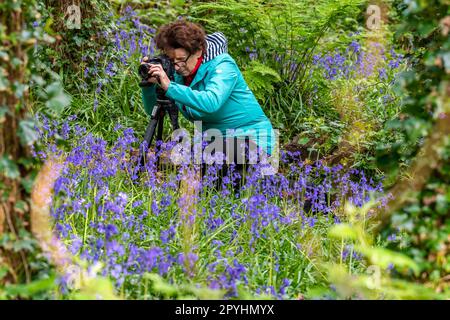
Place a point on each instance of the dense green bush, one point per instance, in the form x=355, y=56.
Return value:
x=421, y=228
x=283, y=36
x=420, y=225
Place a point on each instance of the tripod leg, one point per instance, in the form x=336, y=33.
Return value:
x=149, y=133
x=159, y=133
x=173, y=115
x=160, y=125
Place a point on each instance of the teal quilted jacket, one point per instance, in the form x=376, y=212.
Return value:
x=219, y=97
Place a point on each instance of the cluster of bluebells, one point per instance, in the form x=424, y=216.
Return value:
x=278, y=294
x=372, y=61
x=357, y=60
x=131, y=220
x=349, y=253
x=226, y=272
x=126, y=46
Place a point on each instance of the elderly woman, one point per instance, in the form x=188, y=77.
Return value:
x=208, y=85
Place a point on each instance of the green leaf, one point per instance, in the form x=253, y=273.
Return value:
x=19, y=89
x=27, y=184
x=3, y=272
x=160, y=286
x=27, y=133
x=15, y=62
x=343, y=231
x=58, y=99
x=446, y=58
x=4, y=55
x=178, y=3
x=303, y=140
x=3, y=111
x=384, y=257
x=48, y=26
x=9, y=168
x=78, y=41
x=21, y=206
x=425, y=29
x=4, y=82
x=23, y=244
x=97, y=288
x=28, y=290
x=38, y=80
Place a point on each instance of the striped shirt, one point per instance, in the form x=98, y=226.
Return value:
x=216, y=44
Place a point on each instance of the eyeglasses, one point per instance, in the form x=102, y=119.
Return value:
x=183, y=62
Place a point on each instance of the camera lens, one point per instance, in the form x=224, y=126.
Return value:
x=163, y=60
x=143, y=70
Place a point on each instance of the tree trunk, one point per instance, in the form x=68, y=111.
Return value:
x=10, y=146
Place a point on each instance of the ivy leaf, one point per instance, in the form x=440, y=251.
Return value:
x=446, y=58
x=4, y=82
x=38, y=80
x=27, y=184
x=27, y=133
x=15, y=62
x=19, y=89
x=58, y=99
x=23, y=244
x=9, y=168
x=78, y=41
x=3, y=111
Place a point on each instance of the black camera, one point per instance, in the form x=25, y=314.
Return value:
x=163, y=104
x=164, y=61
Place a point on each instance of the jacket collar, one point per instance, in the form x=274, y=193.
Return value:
x=216, y=44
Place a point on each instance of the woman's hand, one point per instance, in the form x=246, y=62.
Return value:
x=158, y=75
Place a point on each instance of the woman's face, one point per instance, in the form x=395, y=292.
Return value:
x=183, y=61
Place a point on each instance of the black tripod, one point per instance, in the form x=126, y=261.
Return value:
x=163, y=106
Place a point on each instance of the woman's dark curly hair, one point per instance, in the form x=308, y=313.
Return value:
x=181, y=34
